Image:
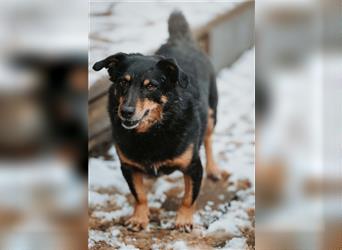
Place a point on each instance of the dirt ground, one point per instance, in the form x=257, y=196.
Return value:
x=160, y=237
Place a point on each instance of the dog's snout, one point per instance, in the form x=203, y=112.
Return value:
x=127, y=111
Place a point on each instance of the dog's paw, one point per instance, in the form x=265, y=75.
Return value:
x=184, y=220
x=136, y=224
x=214, y=176
x=184, y=227
x=218, y=175
x=213, y=172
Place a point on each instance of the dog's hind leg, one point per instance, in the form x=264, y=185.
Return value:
x=192, y=185
x=213, y=171
x=139, y=219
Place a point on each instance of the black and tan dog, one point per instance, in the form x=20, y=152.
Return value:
x=162, y=107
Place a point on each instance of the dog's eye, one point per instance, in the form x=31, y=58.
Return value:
x=123, y=83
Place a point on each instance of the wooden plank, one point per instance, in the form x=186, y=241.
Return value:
x=98, y=119
x=98, y=89
x=104, y=137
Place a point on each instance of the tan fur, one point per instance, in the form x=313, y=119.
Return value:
x=146, y=82
x=164, y=99
x=139, y=184
x=127, y=77
x=211, y=166
x=182, y=161
x=121, y=99
x=184, y=216
x=187, y=191
x=185, y=212
x=139, y=219
x=155, y=114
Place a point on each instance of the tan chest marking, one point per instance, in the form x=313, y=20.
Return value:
x=182, y=161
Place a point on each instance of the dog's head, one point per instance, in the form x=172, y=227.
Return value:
x=141, y=86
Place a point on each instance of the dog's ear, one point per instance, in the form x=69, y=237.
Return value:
x=110, y=61
x=171, y=69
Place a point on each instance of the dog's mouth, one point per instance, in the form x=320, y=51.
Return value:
x=131, y=124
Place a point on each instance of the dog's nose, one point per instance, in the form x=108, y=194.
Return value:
x=127, y=111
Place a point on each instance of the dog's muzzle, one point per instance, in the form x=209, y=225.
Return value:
x=132, y=124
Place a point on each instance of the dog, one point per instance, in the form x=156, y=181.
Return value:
x=162, y=107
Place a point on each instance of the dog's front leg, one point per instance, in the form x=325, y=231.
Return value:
x=192, y=184
x=139, y=219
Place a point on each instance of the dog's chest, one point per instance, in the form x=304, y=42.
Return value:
x=155, y=167
x=158, y=171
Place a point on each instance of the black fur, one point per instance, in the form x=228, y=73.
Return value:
x=127, y=172
x=182, y=73
x=195, y=171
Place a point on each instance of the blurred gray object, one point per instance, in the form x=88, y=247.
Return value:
x=228, y=35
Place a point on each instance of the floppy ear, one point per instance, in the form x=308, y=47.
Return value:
x=110, y=61
x=170, y=67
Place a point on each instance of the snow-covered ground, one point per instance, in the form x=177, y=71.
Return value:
x=225, y=209
x=139, y=27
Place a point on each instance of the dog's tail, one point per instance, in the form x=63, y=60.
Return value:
x=178, y=27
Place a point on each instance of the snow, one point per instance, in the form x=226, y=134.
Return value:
x=232, y=221
x=178, y=245
x=96, y=236
x=236, y=106
x=106, y=174
x=119, y=32
x=114, y=215
x=95, y=199
x=236, y=244
x=128, y=247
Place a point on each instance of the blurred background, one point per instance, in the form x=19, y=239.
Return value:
x=298, y=125
x=43, y=125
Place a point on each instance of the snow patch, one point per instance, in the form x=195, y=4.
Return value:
x=235, y=217
x=96, y=199
x=106, y=174
x=113, y=215
x=236, y=244
x=178, y=245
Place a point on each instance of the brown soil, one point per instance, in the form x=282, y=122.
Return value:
x=216, y=192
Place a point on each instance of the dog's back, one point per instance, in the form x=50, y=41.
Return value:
x=197, y=66
x=192, y=60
